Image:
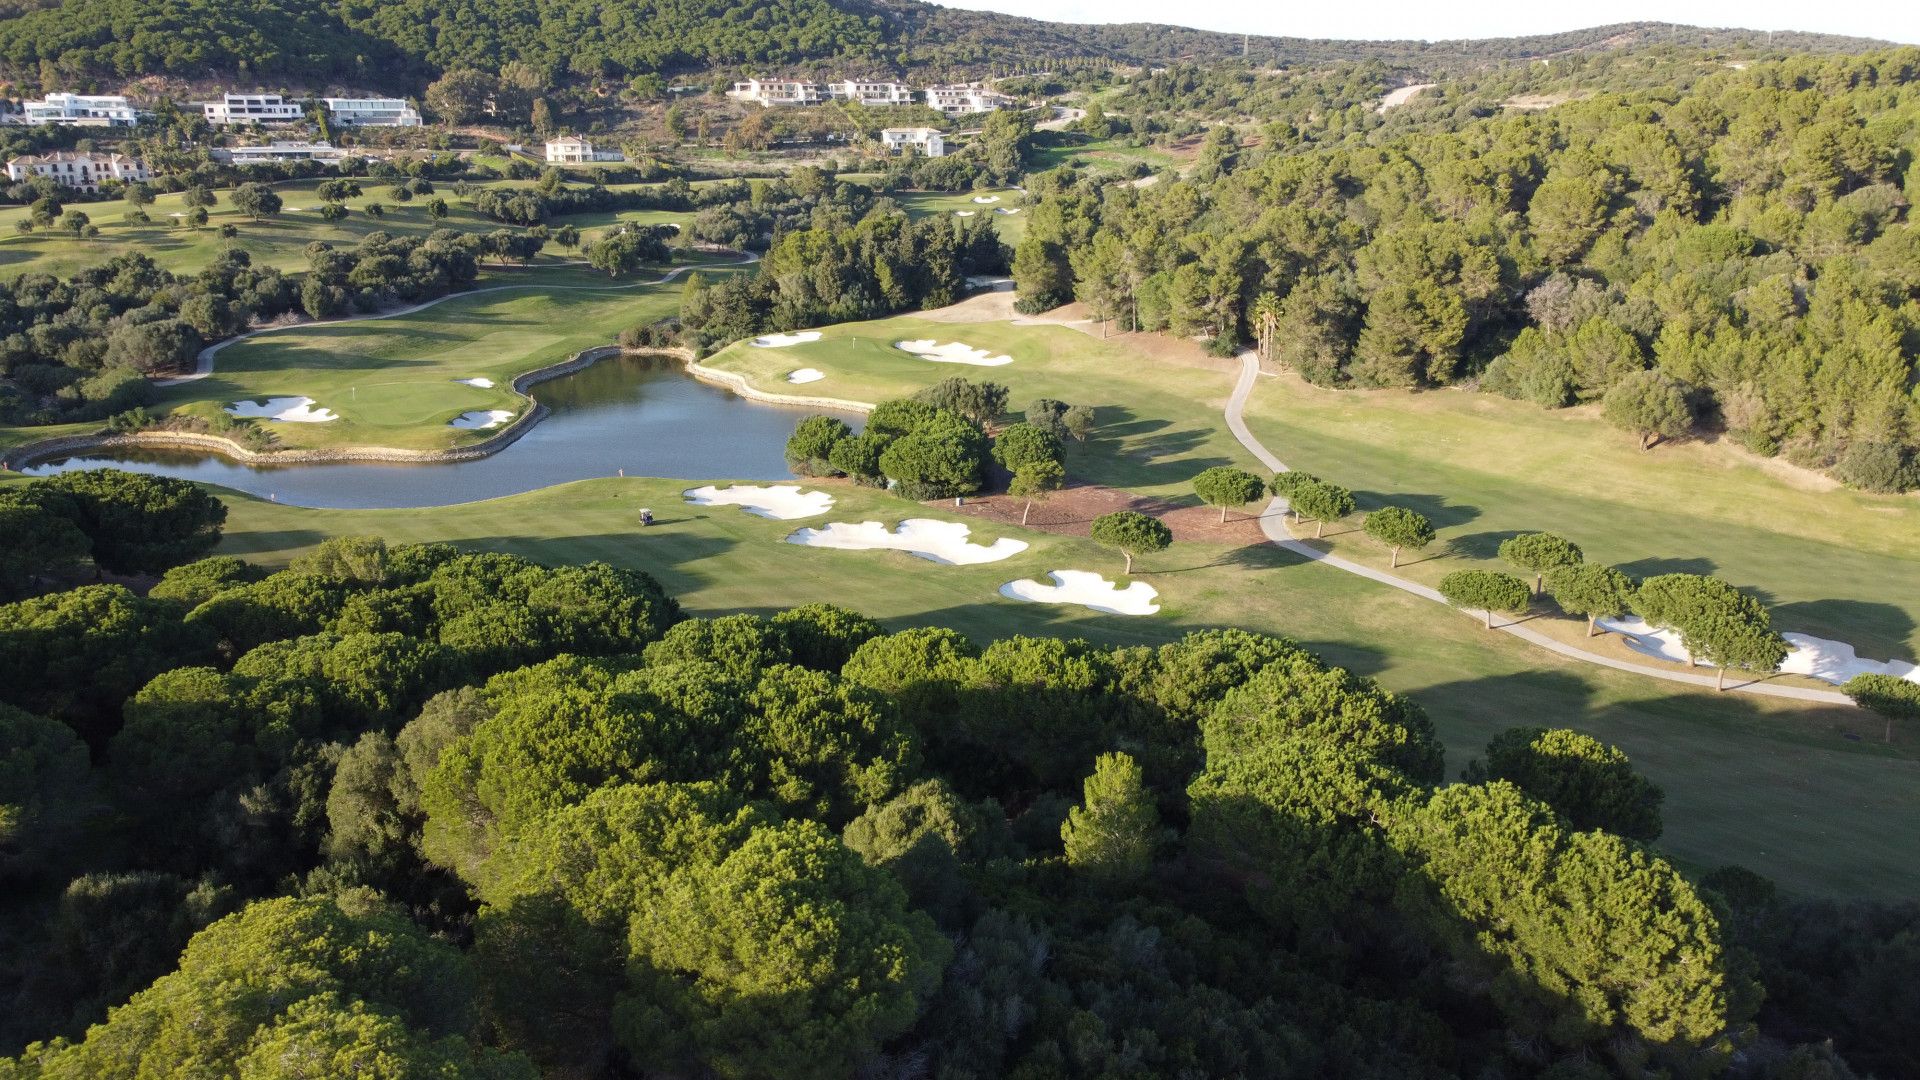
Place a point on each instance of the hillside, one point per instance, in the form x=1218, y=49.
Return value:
x=404, y=44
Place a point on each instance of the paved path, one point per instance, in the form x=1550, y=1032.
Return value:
x=203, y=363
x=1273, y=522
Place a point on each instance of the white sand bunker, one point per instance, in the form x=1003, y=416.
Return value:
x=806, y=375
x=953, y=352
x=782, y=502
x=1836, y=662
x=986, y=198
x=963, y=213
x=1648, y=640
x=480, y=381
x=1008, y=210
x=293, y=410
x=781, y=341
x=484, y=418
x=936, y=541
x=1088, y=589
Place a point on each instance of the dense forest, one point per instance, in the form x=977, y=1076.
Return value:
x=404, y=44
x=1748, y=238
x=414, y=812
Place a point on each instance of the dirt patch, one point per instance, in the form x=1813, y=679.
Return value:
x=1071, y=513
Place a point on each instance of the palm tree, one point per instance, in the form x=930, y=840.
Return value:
x=1266, y=320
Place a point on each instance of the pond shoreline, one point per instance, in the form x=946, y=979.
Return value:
x=28, y=454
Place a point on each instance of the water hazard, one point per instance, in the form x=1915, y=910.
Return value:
x=643, y=415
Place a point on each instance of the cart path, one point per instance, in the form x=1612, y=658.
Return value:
x=1273, y=521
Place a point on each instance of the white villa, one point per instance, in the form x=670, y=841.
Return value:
x=79, y=110
x=573, y=150
x=871, y=93
x=928, y=141
x=282, y=151
x=81, y=171
x=772, y=92
x=963, y=100
x=253, y=108
x=372, y=112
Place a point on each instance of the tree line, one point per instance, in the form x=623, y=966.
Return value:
x=1745, y=239
x=478, y=817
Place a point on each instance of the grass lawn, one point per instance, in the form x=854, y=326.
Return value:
x=393, y=382
x=1071, y=147
x=1776, y=788
x=278, y=242
x=1159, y=417
x=1833, y=563
x=1012, y=227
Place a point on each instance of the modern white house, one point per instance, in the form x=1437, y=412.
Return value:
x=871, y=93
x=253, y=108
x=371, y=112
x=928, y=141
x=279, y=150
x=78, y=170
x=963, y=100
x=771, y=92
x=573, y=150
x=79, y=110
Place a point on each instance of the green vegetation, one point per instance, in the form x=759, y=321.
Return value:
x=1131, y=533
x=1398, y=527
x=1225, y=486
x=1487, y=591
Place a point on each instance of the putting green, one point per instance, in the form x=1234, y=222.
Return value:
x=1776, y=787
x=1158, y=417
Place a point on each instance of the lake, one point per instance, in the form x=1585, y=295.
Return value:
x=641, y=414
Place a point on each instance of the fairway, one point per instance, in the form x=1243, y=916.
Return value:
x=1776, y=788
x=1158, y=416
x=395, y=381
x=1831, y=562
x=1011, y=227
x=279, y=241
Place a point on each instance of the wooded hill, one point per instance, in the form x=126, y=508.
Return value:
x=402, y=45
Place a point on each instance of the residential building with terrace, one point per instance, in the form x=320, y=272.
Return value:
x=927, y=140
x=371, y=112
x=771, y=92
x=77, y=169
x=573, y=150
x=871, y=93
x=78, y=110
x=280, y=150
x=255, y=108
x=965, y=100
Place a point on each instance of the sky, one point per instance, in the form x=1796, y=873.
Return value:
x=1891, y=20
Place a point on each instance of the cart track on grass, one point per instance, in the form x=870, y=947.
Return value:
x=1273, y=522
x=203, y=363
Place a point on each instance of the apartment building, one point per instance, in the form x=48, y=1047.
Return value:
x=928, y=141
x=771, y=92
x=871, y=93
x=79, y=110
x=371, y=112
x=965, y=100
x=255, y=108
x=78, y=170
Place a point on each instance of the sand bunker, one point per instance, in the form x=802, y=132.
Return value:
x=806, y=375
x=293, y=410
x=484, y=418
x=1008, y=210
x=1836, y=662
x=480, y=381
x=1648, y=640
x=1088, y=589
x=936, y=541
x=963, y=213
x=954, y=352
x=986, y=198
x=782, y=502
x=781, y=341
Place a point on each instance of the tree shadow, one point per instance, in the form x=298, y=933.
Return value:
x=1879, y=631
x=1480, y=545
x=1640, y=569
x=1435, y=508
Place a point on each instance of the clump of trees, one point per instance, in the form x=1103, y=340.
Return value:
x=1225, y=486
x=1486, y=591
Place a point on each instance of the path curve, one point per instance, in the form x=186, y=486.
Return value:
x=203, y=363
x=1273, y=522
